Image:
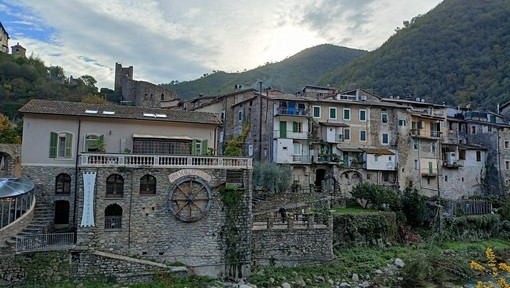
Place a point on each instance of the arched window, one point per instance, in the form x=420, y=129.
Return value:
x=148, y=185
x=113, y=217
x=114, y=186
x=63, y=184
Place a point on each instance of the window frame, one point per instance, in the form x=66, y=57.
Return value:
x=364, y=113
x=92, y=142
x=318, y=115
x=115, y=188
x=63, y=186
x=113, y=209
x=362, y=135
x=384, y=118
x=348, y=111
x=56, y=149
x=147, y=188
x=347, y=134
x=387, y=142
x=331, y=109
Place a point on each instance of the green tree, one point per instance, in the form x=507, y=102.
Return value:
x=272, y=177
x=376, y=196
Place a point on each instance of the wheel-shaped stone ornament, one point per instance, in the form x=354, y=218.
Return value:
x=190, y=199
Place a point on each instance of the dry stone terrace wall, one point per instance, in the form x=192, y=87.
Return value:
x=292, y=247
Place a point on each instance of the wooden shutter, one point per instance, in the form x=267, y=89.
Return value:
x=53, y=144
x=204, y=147
x=193, y=143
x=69, y=143
x=294, y=127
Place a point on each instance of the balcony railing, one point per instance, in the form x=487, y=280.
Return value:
x=38, y=242
x=425, y=133
x=301, y=159
x=290, y=134
x=291, y=111
x=163, y=161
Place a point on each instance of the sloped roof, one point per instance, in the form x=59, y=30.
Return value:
x=46, y=107
x=378, y=151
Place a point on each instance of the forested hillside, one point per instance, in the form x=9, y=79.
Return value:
x=289, y=75
x=457, y=53
x=22, y=79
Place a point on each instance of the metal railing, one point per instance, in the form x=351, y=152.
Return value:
x=38, y=242
x=467, y=207
x=183, y=161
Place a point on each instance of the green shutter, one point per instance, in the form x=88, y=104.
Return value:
x=204, y=147
x=294, y=127
x=69, y=143
x=53, y=144
x=193, y=143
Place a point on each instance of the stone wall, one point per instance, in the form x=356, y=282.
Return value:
x=292, y=246
x=355, y=229
x=43, y=267
x=151, y=231
x=11, y=154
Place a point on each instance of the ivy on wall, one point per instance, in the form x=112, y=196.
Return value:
x=232, y=200
x=364, y=228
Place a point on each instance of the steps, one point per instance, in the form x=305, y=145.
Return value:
x=43, y=217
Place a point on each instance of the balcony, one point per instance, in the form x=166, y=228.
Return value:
x=290, y=134
x=163, y=161
x=425, y=133
x=291, y=111
x=453, y=164
x=301, y=159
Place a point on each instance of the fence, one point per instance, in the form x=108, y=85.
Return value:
x=43, y=242
x=467, y=207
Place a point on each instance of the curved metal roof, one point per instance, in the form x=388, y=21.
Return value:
x=12, y=187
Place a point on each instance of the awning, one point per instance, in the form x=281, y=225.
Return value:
x=161, y=137
x=378, y=151
x=333, y=124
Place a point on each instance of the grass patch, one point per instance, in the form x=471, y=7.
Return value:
x=482, y=245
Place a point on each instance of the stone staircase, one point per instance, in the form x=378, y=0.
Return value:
x=43, y=217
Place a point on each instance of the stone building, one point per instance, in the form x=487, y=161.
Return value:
x=4, y=40
x=18, y=51
x=141, y=93
x=138, y=181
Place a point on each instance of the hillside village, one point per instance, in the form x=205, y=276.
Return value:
x=136, y=185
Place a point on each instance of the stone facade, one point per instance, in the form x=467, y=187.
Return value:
x=293, y=246
x=10, y=160
x=140, y=93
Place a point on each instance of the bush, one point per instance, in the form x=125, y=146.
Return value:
x=376, y=196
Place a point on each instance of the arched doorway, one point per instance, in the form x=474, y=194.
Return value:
x=61, y=212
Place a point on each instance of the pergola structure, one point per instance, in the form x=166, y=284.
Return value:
x=16, y=198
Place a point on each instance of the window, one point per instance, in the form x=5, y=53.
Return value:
x=386, y=176
x=162, y=97
x=148, y=185
x=507, y=165
x=507, y=144
x=347, y=114
x=162, y=146
x=114, y=186
x=94, y=143
x=415, y=145
x=63, y=184
x=316, y=112
x=362, y=115
x=478, y=156
x=445, y=178
x=297, y=127
x=347, y=134
x=473, y=129
x=384, y=118
x=199, y=147
x=462, y=154
x=385, y=138
x=332, y=113
x=61, y=145
x=402, y=123
x=240, y=116
x=298, y=148
x=362, y=135
x=113, y=217
x=416, y=165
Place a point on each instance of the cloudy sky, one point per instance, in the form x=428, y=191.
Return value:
x=169, y=40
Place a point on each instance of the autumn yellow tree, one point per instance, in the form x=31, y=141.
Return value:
x=494, y=269
x=8, y=133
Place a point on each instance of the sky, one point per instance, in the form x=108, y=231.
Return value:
x=167, y=40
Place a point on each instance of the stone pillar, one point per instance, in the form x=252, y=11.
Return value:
x=270, y=222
